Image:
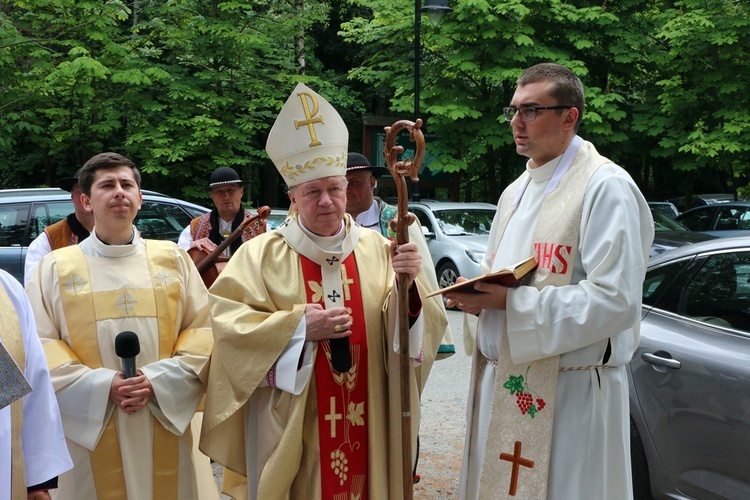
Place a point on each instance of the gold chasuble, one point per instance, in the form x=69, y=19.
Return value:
x=519, y=437
x=338, y=436
x=12, y=339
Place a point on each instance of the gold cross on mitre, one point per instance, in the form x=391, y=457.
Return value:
x=309, y=139
x=517, y=462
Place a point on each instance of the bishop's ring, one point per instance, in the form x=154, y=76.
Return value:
x=337, y=328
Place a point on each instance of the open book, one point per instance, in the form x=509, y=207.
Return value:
x=508, y=276
x=13, y=384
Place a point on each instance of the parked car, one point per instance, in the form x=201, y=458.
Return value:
x=669, y=234
x=457, y=236
x=700, y=200
x=278, y=215
x=24, y=213
x=690, y=375
x=665, y=207
x=720, y=219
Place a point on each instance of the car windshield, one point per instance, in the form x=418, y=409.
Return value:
x=664, y=223
x=465, y=222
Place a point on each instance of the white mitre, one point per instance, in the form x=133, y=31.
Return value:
x=308, y=140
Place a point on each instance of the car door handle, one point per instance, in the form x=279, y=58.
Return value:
x=660, y=360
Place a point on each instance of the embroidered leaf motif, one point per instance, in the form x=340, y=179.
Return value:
x=317, y=290
x=354, y=415
x=514, y=384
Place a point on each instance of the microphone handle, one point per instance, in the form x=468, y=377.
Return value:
x=128, y=367
x=341, y=357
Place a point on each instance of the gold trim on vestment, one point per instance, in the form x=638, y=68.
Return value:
x=106, y=464
x=58, y=353
x=78, y=304
x=162, y=263
x=197, y=341
x=166, y=462
x=12, y=338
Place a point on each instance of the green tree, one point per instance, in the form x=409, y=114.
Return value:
x=181, y=87
x=56, y=108
x=623, y=52
x=701, y=111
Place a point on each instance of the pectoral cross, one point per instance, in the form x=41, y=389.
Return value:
x=517, y=461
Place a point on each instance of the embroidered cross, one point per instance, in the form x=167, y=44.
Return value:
x=333, y=296
x=126, y=302
x=517, y=461
x=333, y=416
x=332, y=260
x=345, y=281
x=165, y=278
x=75, y=284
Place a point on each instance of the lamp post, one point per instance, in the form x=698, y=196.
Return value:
x=435, y=9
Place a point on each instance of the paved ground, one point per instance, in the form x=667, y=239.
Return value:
x=443, y=423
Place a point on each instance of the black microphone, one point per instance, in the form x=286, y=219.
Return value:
x=127, y=347
x=341, y=357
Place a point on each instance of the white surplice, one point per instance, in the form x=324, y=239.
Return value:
x=44, y=449
x=590, y=455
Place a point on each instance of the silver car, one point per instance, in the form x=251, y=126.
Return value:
x=457, y=235
x=24, y=213
x=690, y=375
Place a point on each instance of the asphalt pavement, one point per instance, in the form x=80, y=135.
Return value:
x=443, y=428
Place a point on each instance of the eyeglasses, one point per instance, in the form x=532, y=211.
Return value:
x=528, y=113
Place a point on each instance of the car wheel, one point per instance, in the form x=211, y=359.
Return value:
x=641, y=482
x=447, y=274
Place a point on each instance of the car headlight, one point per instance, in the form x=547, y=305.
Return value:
x=475, y=256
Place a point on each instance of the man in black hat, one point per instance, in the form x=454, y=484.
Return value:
x=372, y=212
x=209, y=230
x=70, y=231
x=361, y=203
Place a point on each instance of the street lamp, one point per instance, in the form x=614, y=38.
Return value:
x=435, y=9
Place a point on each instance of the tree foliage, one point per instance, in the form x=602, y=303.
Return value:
x=641, y=107
x=185, y=86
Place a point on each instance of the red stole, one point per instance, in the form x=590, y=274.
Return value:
x=341, y=397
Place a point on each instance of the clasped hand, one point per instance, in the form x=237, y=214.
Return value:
x=333, y=323
x=131, y=394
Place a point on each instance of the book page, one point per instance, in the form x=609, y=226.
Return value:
x=13, y=385
x=508, y=276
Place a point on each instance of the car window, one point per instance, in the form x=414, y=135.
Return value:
x=424, y=219
x=46, y=214
x=719, y=292
x=161, y=221
x=731, y=218
x=13, y=221
x=39, y=220
x=665, y=223
x=660, y=286
x=464, y=222
x=59, y=210
x=697, y=220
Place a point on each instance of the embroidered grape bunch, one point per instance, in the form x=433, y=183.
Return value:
x=525, y=401
x=339, y=464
